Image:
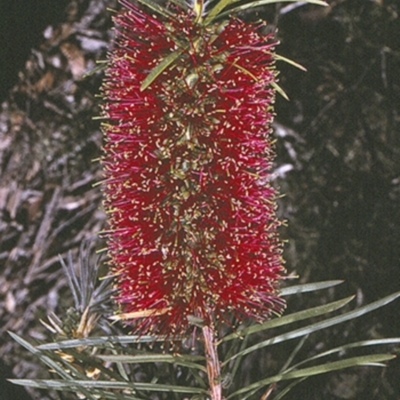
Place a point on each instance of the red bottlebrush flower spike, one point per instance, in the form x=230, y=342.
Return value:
x=193, y=230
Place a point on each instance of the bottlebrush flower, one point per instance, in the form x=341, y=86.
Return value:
x=192, y=224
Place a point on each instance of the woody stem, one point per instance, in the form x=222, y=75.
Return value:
x=213, y=365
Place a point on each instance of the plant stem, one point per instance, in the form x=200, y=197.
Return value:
x=213, y=365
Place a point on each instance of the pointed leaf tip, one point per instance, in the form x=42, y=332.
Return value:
x=160, y=68
x=289, y=61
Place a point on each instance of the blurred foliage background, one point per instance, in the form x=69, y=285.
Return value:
x=342, y=193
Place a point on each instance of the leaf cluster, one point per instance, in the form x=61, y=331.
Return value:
x=104, y=366
x=204, y=18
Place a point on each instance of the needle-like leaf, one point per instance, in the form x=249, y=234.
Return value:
x=58, y=384
x=309, y=287
x=289, y=61
x=101, y=341
x=160, y=68
x=291, y=318
x=153, y=6
x=374, y=359
x=258, y=3
x=318, y=325
x=185, y=360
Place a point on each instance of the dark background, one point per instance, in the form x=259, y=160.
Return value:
x=21, y=29
x=337, y=139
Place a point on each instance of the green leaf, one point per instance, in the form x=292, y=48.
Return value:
x=49, y=362
x=103, y=65
x=89, y=294
x=121, y=368
x=280, y=90
x=309, y=287
x=340, y=349
x=160, y=68
x=86, y=359
x=343, y=348
x=157, y=8
x=181, y=4
x=100, y=341
x=289, y=61
x=293, y=354
x=288, y=388
x=59, y=384
x=185, y=360
x=318, y=325
x=288, y=319
x=247, y=72
x=316, y=370
x=258, y=3
x=213, y=13
x=72, y=279
x=236, y=346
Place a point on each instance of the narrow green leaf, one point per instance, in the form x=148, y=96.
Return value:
x=59, y=384
x=103, y=65
x=49, y=362
x=288, y=319
x=309, y=287
x=293, y=354
x=316, y=370
x=157, y=8
x=332, y=351
x=289, y=61
x=69, y=272
x=160, y=68
x=100, y=341
x=247, y=72
x=258, y=3
x=288, y=388
x=280, y=90
x=186, y=360
x=319, y=325
x=213, y=13
x=343, y=348
x=98, y=118
x=181, y=4
x=237, y=362
x=86, y=359
x=121, y=368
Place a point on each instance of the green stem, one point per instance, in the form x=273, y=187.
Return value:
x=213, y=364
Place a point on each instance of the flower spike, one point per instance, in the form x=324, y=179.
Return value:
x=192, y=214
